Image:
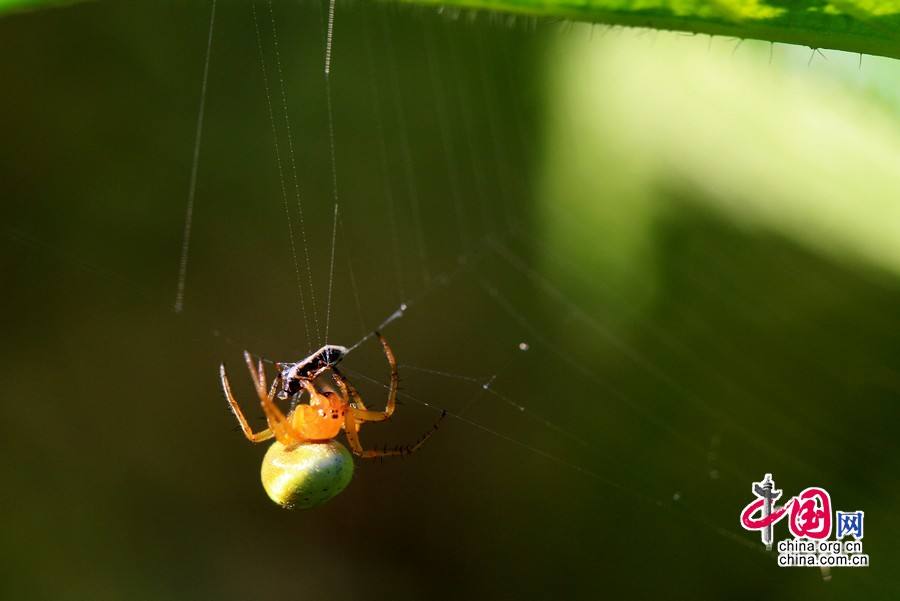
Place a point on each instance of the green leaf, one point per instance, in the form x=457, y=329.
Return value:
x=865, y=26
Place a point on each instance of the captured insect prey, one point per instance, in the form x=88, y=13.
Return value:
x=309, y=369
x=306, y=466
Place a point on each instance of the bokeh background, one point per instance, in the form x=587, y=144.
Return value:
x=697, y=240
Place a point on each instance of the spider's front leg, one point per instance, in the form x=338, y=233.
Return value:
x=279, y=426
x=361, y=413
x=252, y=436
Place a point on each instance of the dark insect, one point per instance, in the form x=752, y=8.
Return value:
x=309, y=369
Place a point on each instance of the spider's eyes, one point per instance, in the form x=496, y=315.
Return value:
x=293, y=386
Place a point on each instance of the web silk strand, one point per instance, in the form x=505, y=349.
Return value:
x=195, y=163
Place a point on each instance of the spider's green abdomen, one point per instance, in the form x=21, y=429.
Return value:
x=308, y=475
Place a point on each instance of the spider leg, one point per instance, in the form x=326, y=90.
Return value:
x=279, y=425
x=360, y=412
x=357, y=413
x=261, y=371
x=351, y=425
x=395, y=377
x=257, y=374
x=245, y=427
x=348, y=390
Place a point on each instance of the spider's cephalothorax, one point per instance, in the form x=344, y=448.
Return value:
x=306, y=466
x=309, y=369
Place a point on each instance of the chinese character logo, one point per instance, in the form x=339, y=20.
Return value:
x=849, y=523
x=809, y=520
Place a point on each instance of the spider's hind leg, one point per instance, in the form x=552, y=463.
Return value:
x=351, y=427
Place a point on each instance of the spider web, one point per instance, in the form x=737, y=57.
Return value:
x=496, y=241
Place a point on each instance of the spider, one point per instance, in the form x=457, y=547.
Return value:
x=306, y=466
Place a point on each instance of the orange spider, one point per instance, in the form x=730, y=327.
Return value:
x=305, y=466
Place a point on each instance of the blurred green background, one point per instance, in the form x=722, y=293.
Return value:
x=697, y=240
